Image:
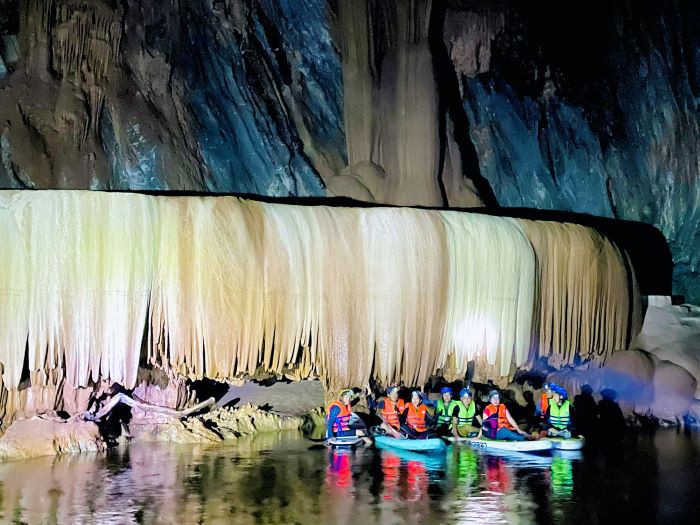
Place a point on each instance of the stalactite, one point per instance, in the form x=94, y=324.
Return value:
x=583, y=305
x=391, y=103
x=223, y=287
x=86, y=36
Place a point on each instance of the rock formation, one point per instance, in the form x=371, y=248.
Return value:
x=96, y=283
x=588, y=108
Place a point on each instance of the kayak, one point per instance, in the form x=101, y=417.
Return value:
x=434, y=462
x=414, y=445
x=540, y=445
x=344, y=442
x=567, y=444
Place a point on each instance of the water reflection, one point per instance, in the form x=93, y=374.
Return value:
x=277, y=478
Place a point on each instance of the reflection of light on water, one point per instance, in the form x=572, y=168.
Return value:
x=499, y=500
x=562, y=478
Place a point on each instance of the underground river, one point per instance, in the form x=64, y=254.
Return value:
x=286, y=478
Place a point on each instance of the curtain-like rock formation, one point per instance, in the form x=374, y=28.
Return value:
x=94, y=283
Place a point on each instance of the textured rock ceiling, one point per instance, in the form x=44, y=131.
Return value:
x=590, y=107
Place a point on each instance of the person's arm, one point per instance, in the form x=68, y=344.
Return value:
x=455, y=422
x=545, y=419
x=332, y=416
x=403, y=416
x=355, y=398
x=430, y=421
x=514, y=424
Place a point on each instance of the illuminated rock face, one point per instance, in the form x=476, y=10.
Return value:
x=93, y=283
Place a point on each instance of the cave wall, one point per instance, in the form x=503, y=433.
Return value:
x=589, y=108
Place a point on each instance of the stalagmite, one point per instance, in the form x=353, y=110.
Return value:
x=95, y=283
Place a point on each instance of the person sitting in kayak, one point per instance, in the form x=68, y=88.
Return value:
x=389, y=409
x=338, y=415
x=463, y=416
x=559, y=414
x=444, y=408
x=415, y=419
x=498, y=423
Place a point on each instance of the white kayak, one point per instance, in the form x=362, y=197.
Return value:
x=576, y=443
x=540, y=445
x=343, y=442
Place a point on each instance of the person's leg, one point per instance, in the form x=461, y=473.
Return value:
x=443, y=430
x=508, y=435
x=467, y=430
x=390, y=431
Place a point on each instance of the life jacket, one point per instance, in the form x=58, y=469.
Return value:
x=544, y=403
x=444, y=414
x=559, y=416
x=498, y=416
x=391, y=411
x=466, y=414
x=342, y=422
x=416, y=417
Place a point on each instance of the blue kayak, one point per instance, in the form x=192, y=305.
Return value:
x=414, y=445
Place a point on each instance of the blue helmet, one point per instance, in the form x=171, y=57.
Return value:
x=391, y=389
x=417, y=393
x=561, y=391
x=465, y=392
x=445, y=390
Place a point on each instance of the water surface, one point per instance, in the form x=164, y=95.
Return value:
x=277, y=478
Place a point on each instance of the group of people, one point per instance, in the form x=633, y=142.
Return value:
x=422, y=418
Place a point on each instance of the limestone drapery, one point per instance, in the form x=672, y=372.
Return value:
x=222, y=287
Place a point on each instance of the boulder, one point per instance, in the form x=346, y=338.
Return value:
x=674, y=390
x=47, y=436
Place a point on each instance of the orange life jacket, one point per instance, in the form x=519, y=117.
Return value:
x=391, y=411
x=491, y=413
x=544, y=403
x=342, y=422
x=416, y=417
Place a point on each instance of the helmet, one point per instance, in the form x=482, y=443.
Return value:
x=561, y=391
x=391, y=389
x=344, y=391
x=465, y=392
x=445, y=390
x=417, y=393
x=494, y=393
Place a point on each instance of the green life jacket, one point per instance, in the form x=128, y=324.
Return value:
x=559, y=416
x=466, y=414
x=444, y=414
